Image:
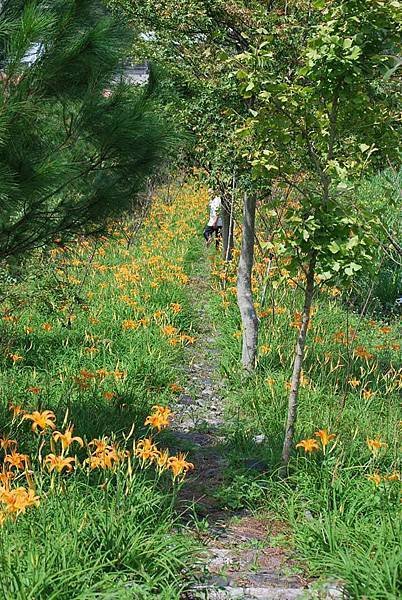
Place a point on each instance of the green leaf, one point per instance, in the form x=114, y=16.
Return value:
x=354, y=241
x=333, y=247
x=319, y=4
x=352, y=268
x=241, y=75
x=356, y=51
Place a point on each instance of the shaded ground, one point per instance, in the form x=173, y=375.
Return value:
x=241, y=557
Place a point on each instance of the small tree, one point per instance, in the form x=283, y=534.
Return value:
x=323, y=116
x=75, y=147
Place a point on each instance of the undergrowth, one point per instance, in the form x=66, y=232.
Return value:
x=93, y=333
x=342, y=494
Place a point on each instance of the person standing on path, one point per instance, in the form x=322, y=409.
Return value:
x=214, y=224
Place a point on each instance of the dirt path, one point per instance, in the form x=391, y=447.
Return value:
x=241, y=558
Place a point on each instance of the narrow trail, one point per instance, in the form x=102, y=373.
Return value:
x=241, y=558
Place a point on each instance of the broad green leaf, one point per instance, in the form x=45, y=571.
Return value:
x=333, y=247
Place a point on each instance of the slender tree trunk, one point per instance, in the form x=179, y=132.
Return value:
x=244, y=293
x=227, y=229
x=298, y=364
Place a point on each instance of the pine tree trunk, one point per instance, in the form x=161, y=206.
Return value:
x=227, y=230
x=298, y=364
x=244, y=292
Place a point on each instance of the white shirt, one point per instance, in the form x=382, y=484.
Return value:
x=214, y=209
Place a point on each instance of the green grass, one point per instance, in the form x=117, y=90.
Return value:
x=85, y=326
x=343, y=524
x=94, y=543
x=111, y=534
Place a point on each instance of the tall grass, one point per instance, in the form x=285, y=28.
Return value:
x=95, y=333
x=342, y=501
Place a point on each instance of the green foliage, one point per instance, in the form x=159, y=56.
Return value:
x=82, y=335
x=191, y=44
x=322, y=119
x=378, y=289
x=71, y=154
x=91, y=543
x=349, y=386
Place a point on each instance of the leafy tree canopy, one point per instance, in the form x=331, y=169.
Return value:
x=192, y=43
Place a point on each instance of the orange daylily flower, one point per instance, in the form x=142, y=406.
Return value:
x=297, y=320
x=102, y=373
x=162, y=460
x=17, y=460
x=67, y=438
x=34, y=389
x=340, y=337
x=91, y=350
x=385, y=329
x=169, y=330
x=176, y=387
x=159, y=419
x=59, y=463
x=7, y=443
x=354, y=382
x=16, y=358
x=85, y=374
x=16, y=410
x=119, y=374
x=105, y=455
x=41, y=420
x=375, y=445
x=189, y=339
x=375, y=478
x=10, y=318
x=100, y=445
x=5, y=478
x=155, y=421
x=47, y=326
x=361, y=352
x=308, y=445
x=19, y=499
x=130, y=324
x=179, y=465
x=146, y=449
x=325, y=437
x=81, y=383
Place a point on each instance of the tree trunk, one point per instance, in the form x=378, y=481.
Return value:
x=298, y=364
x=244, y=293
x=227, y=230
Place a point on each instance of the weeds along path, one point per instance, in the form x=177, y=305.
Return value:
x=241, y=558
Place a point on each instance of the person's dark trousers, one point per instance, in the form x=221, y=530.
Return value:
x=208, y=232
